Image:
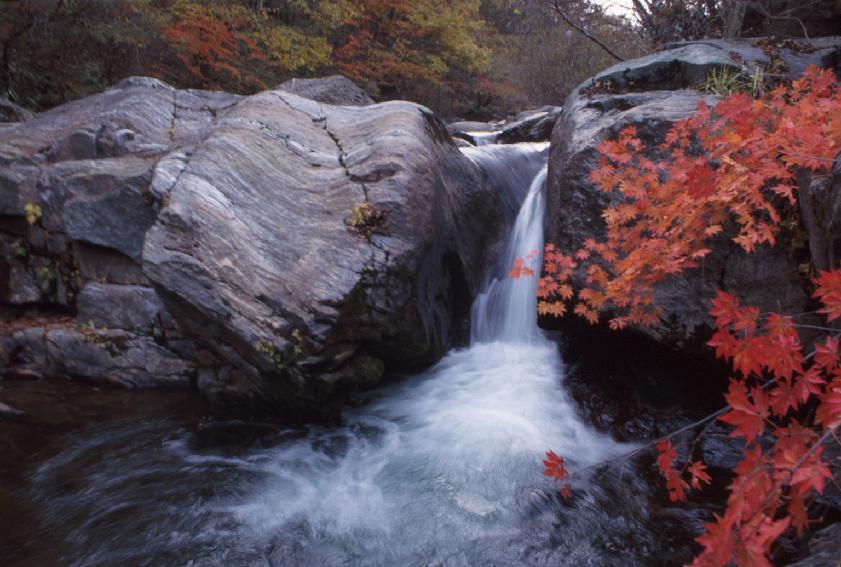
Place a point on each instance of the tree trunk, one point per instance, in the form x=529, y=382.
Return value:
x=733, y=16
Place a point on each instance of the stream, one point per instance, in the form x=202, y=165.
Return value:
x=438, y=469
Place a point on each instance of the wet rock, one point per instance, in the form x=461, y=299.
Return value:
x=719, y=450
x=8, y=412
x=820, y=206
x=274, y=228
x=106, y=356
x=643, y=390
x=824, y=548
x=335, y=89
x=119, y=307
x=115, y=357
x=535, y=126
x=279, y=297
x=575, y=204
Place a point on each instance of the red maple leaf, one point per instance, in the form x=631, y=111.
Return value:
x=748, y=417
x=698, y=472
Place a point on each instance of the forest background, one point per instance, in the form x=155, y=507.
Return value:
x=472, y=59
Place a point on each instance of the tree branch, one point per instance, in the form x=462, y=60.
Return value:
x=557, y=7
x=771, y=16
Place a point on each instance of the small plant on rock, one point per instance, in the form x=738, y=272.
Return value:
x=19, y=249
x=365, y=219
x=33, y=213
x=271, y=351
x=725, y=81
x=47, y=274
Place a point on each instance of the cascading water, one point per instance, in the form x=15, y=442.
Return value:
x=484, y=138
x=506, y=310
x=440, y=469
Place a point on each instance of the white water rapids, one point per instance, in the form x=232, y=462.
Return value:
x=425, y=473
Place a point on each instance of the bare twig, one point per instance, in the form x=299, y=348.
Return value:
x=557, y=7
x=771, y=16
x=653, y=442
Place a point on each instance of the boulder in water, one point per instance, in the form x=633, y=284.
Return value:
x=529, y=126
x=273, y=250
x=535, y=126
x=474, y=133
x=637, y=93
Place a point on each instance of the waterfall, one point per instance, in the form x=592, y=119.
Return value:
x=507, y=309
x=484, y=138
x=510, y=170
x=433, y=470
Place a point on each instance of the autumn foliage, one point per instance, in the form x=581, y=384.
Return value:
x=786, y=405
x=730, y=170
x=390, y=44
x=462, y=58
x=54, y=50
x=734, y=166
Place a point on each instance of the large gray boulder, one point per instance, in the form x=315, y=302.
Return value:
x=272, y=250
x=652, y=93
x=105, y=356
x=688, y=64
x=317, y=246
x=335, y=90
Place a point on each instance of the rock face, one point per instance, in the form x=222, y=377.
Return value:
x=653, y=93
x=272, y=250
x=820, y=205
x=534, y=126
x=687, y=65
x=822, y=548
x=474, y=133
x=335, y=89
